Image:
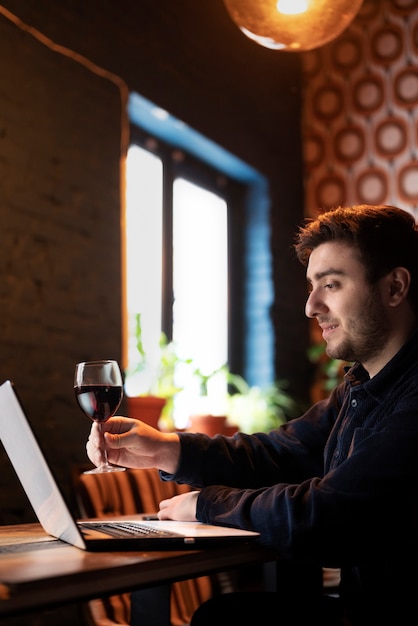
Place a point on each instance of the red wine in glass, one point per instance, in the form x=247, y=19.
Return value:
x=99, y=391
x=98, y=402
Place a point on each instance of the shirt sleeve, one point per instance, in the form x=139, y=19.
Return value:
x=291, y=453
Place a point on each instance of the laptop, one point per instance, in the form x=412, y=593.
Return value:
x=131, y=532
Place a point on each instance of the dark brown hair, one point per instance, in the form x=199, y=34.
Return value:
x=385, y=237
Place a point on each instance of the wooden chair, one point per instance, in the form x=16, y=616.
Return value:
x=127, y=493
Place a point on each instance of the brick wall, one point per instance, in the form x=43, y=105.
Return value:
x=60, y=289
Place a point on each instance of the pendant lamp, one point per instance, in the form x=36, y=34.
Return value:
x=292, y=25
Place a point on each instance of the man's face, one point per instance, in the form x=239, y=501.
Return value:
x=348, y=309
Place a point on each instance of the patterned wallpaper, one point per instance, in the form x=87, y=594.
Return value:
x=360, y=121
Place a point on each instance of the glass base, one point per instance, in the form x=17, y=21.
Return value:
x=105, y=469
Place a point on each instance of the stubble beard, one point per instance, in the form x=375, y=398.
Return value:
x=366, y=335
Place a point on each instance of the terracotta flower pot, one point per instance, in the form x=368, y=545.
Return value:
x=208, y=424
x=146, y=408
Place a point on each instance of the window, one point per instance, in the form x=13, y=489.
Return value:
x=200, y=275
x=197, y=247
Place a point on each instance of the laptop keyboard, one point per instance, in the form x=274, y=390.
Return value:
x=127, y=529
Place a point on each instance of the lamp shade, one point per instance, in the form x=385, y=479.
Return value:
x=292, y=25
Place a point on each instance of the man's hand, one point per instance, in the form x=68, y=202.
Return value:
x=132, y=443
x=181, y=507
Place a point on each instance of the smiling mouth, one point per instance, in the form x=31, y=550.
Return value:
x=327, y=330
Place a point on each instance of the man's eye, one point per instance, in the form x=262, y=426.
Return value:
x=329, y=285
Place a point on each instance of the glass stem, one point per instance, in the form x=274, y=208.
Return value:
x=104, y=449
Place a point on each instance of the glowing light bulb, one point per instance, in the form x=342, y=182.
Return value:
x=292, y=7
x=292, y=25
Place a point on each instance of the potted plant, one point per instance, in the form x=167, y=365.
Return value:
x=218, y=401
x=209, y=406
x=246, y=408
x=259, y=409
x=150, y=388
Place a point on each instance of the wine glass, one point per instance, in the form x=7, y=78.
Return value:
x=98, y=389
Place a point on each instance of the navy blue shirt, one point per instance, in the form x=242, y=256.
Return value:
x=337, y=486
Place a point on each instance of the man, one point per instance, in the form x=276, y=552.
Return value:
x=337, y=487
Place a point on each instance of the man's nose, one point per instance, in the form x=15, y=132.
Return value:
x=313, y=305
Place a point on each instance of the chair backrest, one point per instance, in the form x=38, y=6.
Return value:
x=122, y=493
x=125, y=493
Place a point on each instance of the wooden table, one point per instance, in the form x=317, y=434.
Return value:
x=37, y=571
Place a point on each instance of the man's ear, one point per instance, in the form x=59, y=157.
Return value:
x=398, y=281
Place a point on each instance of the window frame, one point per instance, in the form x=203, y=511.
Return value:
x=178, y=163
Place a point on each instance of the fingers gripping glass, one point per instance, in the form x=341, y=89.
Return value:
x=98, y=388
